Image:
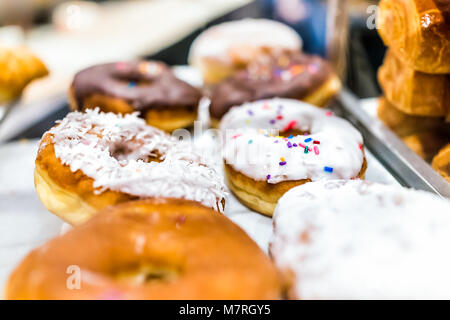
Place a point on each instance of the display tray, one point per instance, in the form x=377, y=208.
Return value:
x=26, y=224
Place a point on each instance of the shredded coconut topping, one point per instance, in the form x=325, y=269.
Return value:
x=117, y=152
x=360, y=240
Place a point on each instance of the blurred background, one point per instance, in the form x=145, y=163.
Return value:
x=71, y=35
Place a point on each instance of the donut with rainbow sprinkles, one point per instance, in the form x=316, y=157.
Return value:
x=271, y=146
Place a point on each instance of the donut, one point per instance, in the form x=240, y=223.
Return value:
x=414, y=92
x=92, y=160
x=149, y=249
x=354, y=239
x=271, y=146
x=441, y=162
x=148, y=87
x=404, y=124
x=296, y=76
x=19, y=66
x=228, y=47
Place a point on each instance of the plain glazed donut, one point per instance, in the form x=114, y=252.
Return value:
x=271, y=146
x=296, y=76
x=228, y=47
x=441, y=162
x=92, y=160
x=154, y=249
x=148, y=87
x=359, y=240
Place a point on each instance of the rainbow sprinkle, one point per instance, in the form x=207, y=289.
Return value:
x=296, y=70
x=289, y=126
x=308, y=140
x=268, y=177
x=316, y=150
x=237, y=136
x=328, y=169
x=131, y=84
x=282, y=161
x=289, y=144
x=250, y=141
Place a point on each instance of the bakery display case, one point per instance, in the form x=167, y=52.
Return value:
x=267, y=119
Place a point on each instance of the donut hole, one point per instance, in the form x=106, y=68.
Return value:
x=122, y=151
x=293, y=132
x=146, y=273
x=133, y=81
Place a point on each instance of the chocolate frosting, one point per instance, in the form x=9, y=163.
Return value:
x=292, y=76
x=144, y=85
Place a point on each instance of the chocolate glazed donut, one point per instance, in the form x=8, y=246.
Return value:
x=295, y=76
x=148, y=87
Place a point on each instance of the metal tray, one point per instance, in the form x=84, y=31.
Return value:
x=406, y=166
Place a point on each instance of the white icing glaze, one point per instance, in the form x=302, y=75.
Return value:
x=218, y=41
x=363, y=240
x=249, y=149
x=85, y=141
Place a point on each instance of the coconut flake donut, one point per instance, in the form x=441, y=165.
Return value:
x=271, y=146
x=92, y=160
x=227, y=47
x=148, y=87
x=360, y=240
x=148, y=249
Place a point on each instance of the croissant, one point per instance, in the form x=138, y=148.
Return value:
x=418, y=31
x=414, y=92
x=19, y=66
x=404, y=124
x=441, y=162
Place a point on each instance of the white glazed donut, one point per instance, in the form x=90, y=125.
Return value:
x=261, y=165
x=91, y=160
x=230, y=46
x=360, y=240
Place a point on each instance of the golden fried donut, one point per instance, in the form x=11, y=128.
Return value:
x=19, y=66
x=295, y=76
x=404, y=124
x=441, y=162
x=92, y=160
x=154, y=249
x=360, y=240
x=271, y=146
x=418, y=31
x=228, y=47
x=148, y=87
x=414, y=92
